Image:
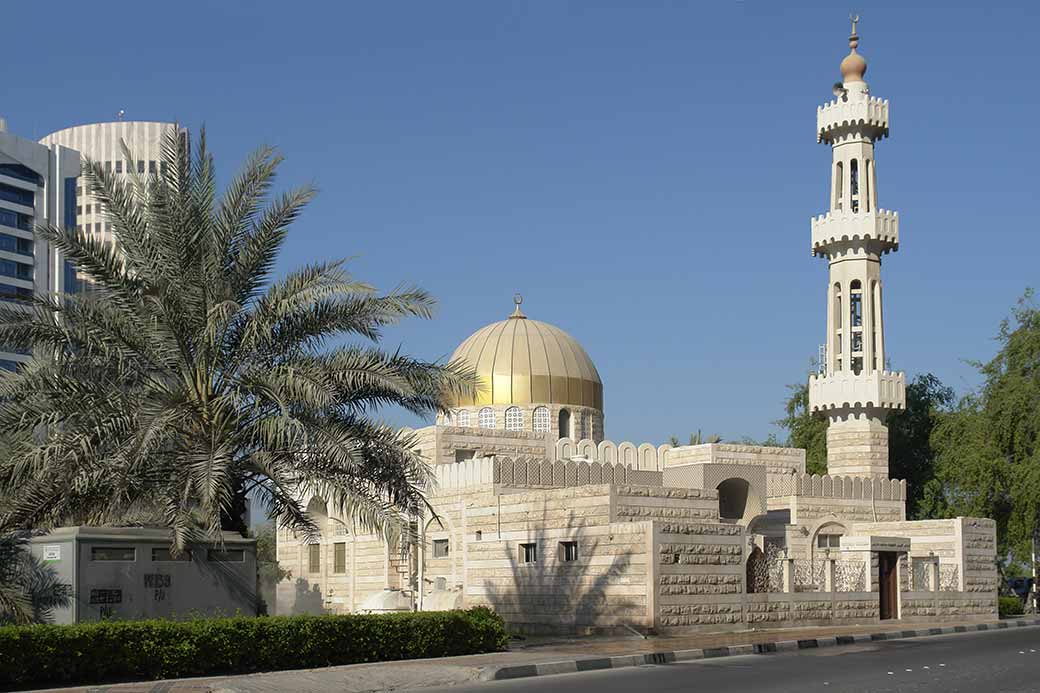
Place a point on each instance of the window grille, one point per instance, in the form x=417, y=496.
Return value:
x=514, y=419
x=486, y=418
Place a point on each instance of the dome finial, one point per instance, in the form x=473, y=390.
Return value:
x=853, y=67
x=517, y=313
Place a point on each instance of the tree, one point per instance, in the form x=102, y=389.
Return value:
x=805, y=430
x=186, y=378
x=910, y=452
x=989, y=446
x=29, y=589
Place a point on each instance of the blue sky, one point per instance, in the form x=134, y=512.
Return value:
x=643, y=172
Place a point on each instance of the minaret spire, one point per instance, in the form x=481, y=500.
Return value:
x=853, y=387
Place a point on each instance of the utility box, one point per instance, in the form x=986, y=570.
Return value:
x=130, y=573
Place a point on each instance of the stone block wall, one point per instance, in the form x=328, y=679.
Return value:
x=699, y=574
x=605, y=587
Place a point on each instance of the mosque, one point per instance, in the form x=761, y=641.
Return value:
x=561, y=530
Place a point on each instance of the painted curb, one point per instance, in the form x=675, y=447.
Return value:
x=635, y=660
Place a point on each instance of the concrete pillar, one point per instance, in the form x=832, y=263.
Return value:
x=828, y=574
x=933, y=576
x=788, y=565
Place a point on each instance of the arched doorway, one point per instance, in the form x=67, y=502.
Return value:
x=733, y=495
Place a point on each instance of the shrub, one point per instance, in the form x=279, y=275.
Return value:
x=1010, y=606
x=140, y=650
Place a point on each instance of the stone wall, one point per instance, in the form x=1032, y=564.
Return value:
x=699, y=574
x=328, y=590
x=439, y=444
x=776, y=460
x=604, y=588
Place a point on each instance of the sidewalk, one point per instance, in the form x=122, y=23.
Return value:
x=535, y=657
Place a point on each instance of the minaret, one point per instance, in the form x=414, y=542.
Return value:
x=853, y=389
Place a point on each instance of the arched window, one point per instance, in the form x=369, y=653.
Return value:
x=829, y=537
x=839, y=183
x=462, y=418
x=565, y=423
x=486, y=418
x=514, y=419
x=854, y=185
x=540, y=420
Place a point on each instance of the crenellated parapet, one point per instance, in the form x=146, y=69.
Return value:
x=836, y=486
x=881, y=227
x=644, y=456
x=869, y=114
x=845, y=389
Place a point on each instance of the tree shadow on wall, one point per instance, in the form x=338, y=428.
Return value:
x=552, y=595
x=308, y=599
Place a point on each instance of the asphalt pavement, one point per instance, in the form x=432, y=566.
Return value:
x=1005, y=661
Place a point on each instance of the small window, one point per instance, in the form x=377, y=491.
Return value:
x=89, y=208
x=568, y=551
x=462, y=420
x=486, y=418
x=440, y=584
x=314, y=558
x=113, y=553
x=79, y=210
x=339, y=557
x=463, y=455
x=528, y=553
x=514, y=419
x=151, y=167
x=165, y=555
x=440, y=548
x=828, y=541
x=119, y=166
x=108, y=167
x=479, y=535
x=226, y=556
x=140, y=166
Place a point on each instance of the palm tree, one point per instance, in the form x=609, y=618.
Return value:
x=29, y=589
x=185, y=378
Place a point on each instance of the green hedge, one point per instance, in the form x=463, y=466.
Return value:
x=1010, y=606
x=141, y=650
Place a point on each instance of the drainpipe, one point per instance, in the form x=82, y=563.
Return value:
x=422, y=563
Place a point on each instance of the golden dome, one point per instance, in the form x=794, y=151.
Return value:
x=522, y=361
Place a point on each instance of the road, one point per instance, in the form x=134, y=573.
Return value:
x=1005, y=660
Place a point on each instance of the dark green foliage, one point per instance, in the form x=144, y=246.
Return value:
x=143, y=650
x=1009, y=606
x=910, y=453
x=988, y=448
x=805, y=430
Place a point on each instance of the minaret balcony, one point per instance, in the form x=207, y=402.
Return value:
x=838, y=117
x=876, y=389
x=881, y=227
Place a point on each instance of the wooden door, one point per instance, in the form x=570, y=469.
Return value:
x=888, y=584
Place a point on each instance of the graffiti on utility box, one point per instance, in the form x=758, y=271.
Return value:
x=159, y=583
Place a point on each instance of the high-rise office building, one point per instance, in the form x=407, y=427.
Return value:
x=37, y=186
x=102, y=142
